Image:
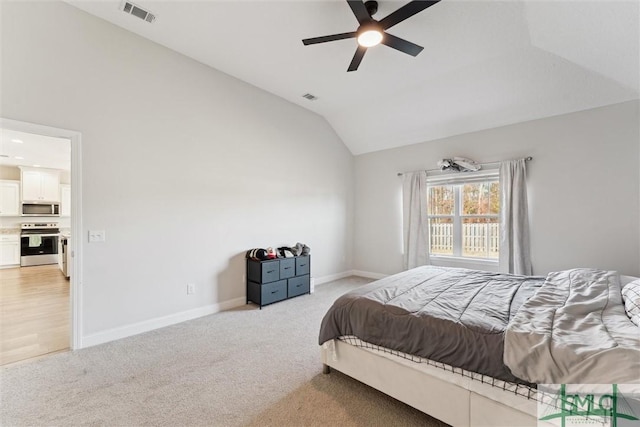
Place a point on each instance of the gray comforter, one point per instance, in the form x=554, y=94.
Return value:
x=575, y=331
x=451, y=315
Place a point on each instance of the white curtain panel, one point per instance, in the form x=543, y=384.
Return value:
x=515, y=256
x=415, y=220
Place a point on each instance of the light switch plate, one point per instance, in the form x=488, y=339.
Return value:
x=96, y=236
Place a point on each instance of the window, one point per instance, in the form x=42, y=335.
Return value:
x=464, y=217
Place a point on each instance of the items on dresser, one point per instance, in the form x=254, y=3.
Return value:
x=270, y=281
x=299, y=249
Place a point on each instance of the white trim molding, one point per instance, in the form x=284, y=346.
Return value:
x=159, y=322
x=348, y=273
x=172, y=319
x=368, y=274
x=332, y=277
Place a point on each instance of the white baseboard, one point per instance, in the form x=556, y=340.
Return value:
x=332, y=277
x=348, y=273
x=159, y=322
x=368, y=274
x=172, y=319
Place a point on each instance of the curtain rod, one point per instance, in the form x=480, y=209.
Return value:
x=527, y=159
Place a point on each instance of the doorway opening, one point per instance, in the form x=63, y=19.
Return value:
x=40, y=270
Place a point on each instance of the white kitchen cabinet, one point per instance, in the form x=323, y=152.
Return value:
x=9, y=198
x=9, y=250
x=65, y=200
x=40, y=185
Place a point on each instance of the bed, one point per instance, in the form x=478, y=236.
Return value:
x=456, y=343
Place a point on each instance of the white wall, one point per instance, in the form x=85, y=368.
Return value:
x=184, y=167
x=583, y=189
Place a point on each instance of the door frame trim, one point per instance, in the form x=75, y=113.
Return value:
x=76, y=283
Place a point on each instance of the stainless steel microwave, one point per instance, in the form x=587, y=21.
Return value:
x=40, y=209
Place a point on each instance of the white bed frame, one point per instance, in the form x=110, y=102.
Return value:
x=450, y=397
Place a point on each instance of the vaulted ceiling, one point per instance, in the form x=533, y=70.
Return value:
x=484, y=64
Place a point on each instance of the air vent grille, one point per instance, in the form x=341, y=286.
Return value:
x=310, y=97
x=135, y=10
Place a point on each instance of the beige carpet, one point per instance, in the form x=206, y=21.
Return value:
x=240, y=367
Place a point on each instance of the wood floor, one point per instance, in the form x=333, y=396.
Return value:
x=34, y=312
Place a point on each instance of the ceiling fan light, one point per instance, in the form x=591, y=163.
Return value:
x=370, y=38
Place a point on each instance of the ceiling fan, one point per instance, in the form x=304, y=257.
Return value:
x=372, y=32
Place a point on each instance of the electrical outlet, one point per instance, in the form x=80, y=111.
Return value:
x=96, y=236
x=191, y=289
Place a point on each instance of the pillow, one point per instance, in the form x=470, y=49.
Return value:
x=631, y=297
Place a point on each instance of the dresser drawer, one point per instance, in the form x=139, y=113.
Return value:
x=272, y=292
x=287, y=268
x=302, y=265
x=263, y=272
x=298, y=286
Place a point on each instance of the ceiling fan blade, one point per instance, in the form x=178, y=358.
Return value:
x=330, y=38
x=359, y=10
x=357, y=58
x=406, y=11
x=401, y=44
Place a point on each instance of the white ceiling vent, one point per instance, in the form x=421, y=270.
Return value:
x=310, y=97
x=137, y=11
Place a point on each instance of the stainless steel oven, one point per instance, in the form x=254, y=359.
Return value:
x=39, y=243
